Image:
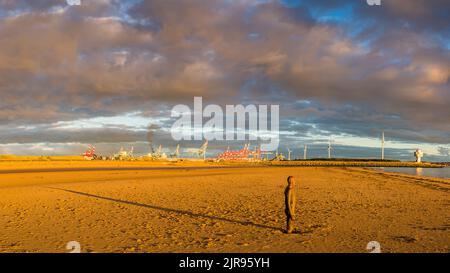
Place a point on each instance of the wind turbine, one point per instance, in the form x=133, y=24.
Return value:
x=329, y=148
x=289, y=154
x=305, y=151
x=382, y=145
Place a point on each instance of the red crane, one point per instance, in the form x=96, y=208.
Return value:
x=243, y=154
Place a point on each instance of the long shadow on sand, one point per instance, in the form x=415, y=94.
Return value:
x=182, y=212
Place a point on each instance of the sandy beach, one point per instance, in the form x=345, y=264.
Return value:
x=185, y=209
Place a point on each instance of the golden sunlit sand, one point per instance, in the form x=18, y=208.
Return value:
x=189, y=209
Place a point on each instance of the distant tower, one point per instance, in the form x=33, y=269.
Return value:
x=382, y=146
x=289, y=154
x=305, y=150
x=329, y=149
x=418, y=154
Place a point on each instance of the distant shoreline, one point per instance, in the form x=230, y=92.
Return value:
x=13, y=162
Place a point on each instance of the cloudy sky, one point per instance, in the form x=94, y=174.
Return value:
x=101, y=72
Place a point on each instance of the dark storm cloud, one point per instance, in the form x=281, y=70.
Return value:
x=384, y=68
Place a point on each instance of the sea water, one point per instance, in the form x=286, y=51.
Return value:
x=434, y=172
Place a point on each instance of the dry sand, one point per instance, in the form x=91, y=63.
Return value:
x=219, y=210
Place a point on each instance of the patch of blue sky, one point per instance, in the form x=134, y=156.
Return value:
x=364, y=34
x=360, y=26
x=442, y=38
x=12, y=13
x=291, y=3
x=365, y=45
x=343, y=14
x=122, y=15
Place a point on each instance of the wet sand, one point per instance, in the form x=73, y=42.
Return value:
x=218, y=209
